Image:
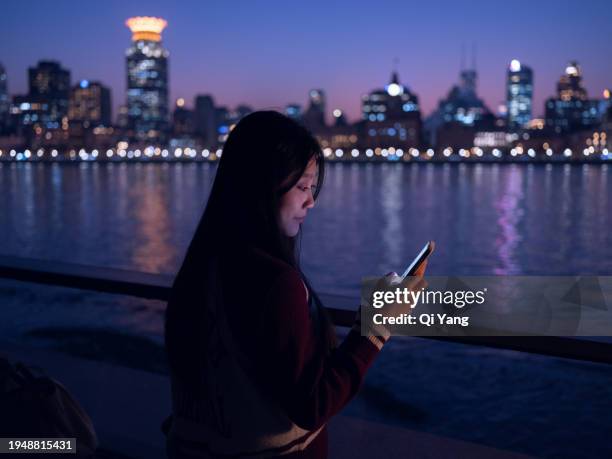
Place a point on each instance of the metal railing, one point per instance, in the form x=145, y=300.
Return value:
x=157, y=287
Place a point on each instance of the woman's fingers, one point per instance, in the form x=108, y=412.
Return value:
x=411, y=282
x=420, y=272
x=422, y=284
x=385, y=281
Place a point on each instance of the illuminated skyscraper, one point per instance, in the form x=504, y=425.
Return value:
x=294, y=111
x=205, y=120
x=50, y=86
x=182, y=119
x=519, y=94
x=460, y=111
x=339, y=118
x=90, y=104
x=122, y=117
x=391, y=117
x=227, y=119
x=147, y=79
x=314, y=117
x=571, y=110
x=5, y=103
x=45, y=107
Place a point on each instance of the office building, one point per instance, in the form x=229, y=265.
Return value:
x=227, y=119
x=314, y=116
x=294, y=111
x=50, y=85
x=5, y=103
x=391, y=117
x=123, y=119
x=205, y=124
x=147, y=80
x=90, y=104
x=339, y=118
x=571, y=110
x=519, y=95
x=459, y=115
x=45, y=107
x=182, y=119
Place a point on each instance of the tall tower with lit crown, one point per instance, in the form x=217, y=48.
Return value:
x=147, y=79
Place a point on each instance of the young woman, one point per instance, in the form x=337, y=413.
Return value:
x=255, y=367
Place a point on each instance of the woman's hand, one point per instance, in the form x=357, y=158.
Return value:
x=391, y=282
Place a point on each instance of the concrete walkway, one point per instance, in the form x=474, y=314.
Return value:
x=127, y=407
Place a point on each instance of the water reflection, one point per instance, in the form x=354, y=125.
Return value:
x=154, y=253
x=509, y=214
x=56, y=190
x=565, y=198
x=369, y=219
x=28, y=191
x=603, y=208
x=89, y=205
x=391, y=226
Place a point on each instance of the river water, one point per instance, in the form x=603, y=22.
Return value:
x=495, y=219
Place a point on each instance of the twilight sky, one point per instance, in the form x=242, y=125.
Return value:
x=269, y=53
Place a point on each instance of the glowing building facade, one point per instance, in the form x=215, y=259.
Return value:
x=391, y=117
x=147, y=80
x=90, y=104
x=294, y=111
x=5, y=104
x=45, y=107
x=314, y=116
x=572, y=110
x=459, y=115
x=205, y=120
x=50, y=83
x=519, y=94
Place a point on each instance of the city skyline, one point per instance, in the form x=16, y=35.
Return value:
x=227, y=70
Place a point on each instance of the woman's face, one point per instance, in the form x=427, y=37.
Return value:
x=295, y=203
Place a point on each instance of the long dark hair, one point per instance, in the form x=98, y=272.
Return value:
x=264, y=157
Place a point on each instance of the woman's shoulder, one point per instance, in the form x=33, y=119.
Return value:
x=273, y=274
x=257, y=257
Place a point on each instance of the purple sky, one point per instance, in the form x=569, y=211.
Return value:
x=269, y=53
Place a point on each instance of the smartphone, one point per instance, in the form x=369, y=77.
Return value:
x=420, y=258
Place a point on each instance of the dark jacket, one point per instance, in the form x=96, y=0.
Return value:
x=270, y=387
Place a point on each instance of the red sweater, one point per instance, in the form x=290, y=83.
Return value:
x=268, y=314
